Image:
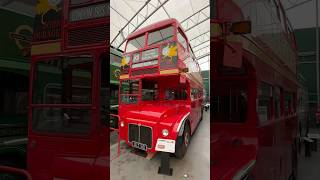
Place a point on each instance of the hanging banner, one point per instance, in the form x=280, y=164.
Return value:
x=48, y=20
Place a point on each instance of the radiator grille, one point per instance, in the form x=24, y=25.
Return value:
x=86, y=36
x=141, y=134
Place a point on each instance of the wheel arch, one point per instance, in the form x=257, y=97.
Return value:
x=17, y=154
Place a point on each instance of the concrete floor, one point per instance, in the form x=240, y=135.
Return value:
x=194, y=166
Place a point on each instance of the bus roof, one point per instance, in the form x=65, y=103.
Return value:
x=153, y=26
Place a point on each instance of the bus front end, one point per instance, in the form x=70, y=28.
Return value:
x=154, y=103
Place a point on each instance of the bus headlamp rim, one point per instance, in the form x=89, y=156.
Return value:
x=165, y=132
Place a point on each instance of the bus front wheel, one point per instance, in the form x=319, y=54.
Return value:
x=183, y=142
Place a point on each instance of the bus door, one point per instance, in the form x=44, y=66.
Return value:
x=62, y=142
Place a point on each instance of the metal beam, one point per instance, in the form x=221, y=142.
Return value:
x=200, y=39
x=201, y=48
x=197, y=45
x=121, y=15
x=203, y=56
x=197, y=18
x=200, y=35
x=137, y=20
x=165, y=10
x=317, y=53
x=298, y=4
x=201, y=51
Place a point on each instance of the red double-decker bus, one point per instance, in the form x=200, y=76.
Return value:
x=254, y=98
x=161, y=89
x=68, y=91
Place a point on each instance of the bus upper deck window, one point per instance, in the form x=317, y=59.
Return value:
x=135, y=44
x=160, y=36
x=182, y=40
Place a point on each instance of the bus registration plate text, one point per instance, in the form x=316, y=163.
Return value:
x=139, y=145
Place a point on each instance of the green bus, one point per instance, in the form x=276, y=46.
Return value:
x=115, y=62
x=14, y=75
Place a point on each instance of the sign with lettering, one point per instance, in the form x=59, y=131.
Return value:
x=48, y=20
x=90, y=12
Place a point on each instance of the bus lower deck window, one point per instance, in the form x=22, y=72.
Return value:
x=230, y=105
x=149, y=90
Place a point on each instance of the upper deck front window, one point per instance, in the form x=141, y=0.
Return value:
x=160, y=36
x=154, y=37
x=136, y=44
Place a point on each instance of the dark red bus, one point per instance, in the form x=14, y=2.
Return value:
x=254, y=98
x=68, y=88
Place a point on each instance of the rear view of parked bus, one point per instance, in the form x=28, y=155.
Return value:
x=254, y=82
x=161, y=90
x=68, y=89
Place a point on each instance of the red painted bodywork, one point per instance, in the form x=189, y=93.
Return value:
x=270, y=145
x=163, y=114
x=68, y=156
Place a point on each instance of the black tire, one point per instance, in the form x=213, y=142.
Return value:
x=183, y=142
x=201, y=117
x=12, y=162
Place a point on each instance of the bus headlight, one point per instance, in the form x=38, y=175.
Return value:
x=243, y=173
x=121, y=124
x=165, y=132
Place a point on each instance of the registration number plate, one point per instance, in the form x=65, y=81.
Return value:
x=166, y=145
x=139, y=145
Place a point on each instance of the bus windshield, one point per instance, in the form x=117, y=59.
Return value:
x=151, y=88
x=129, y=91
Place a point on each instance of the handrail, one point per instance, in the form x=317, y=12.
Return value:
x=7, y=169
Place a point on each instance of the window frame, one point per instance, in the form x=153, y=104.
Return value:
x=89, y=107
x=179, y=31
x=162, y=42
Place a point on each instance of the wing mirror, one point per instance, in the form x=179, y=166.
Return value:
x=241, y=27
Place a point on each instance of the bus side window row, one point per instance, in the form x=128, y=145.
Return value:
x=269, y=102
x=264, y=108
